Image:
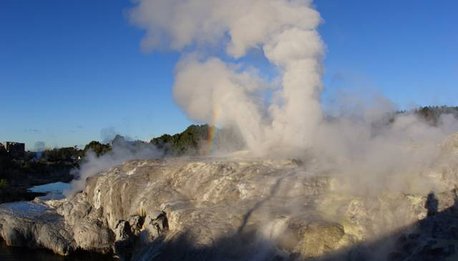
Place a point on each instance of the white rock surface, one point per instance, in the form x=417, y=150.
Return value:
x=218, y=209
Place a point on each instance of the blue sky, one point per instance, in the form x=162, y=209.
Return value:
x=407, y=50
x=73, y=70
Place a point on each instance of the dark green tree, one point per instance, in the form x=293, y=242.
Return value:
x=186, y=142
x=97, y=147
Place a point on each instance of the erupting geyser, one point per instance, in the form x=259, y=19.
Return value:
x=217, y=86
x=281, y=116
x=356, y=189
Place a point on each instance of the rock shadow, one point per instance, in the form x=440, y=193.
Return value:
x=246, y=245
x=433, y=238
x=273, y=191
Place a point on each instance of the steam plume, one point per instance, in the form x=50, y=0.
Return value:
x=122, y=150
x=39, y=147
x=212, y=89
x=284, y=116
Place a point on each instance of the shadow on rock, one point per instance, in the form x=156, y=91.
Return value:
x=239, y=246
x=433, y=238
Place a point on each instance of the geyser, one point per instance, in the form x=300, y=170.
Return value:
x=280, y=116
x=360, y=175
x=217, y=86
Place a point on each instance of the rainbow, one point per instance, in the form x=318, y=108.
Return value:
x=211, y=132
x=210, y=139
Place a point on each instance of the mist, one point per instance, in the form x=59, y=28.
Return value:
x=122, y=150
x=39, y=147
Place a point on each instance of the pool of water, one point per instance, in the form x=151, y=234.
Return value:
x=53, y=190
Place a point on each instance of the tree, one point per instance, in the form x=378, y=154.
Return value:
x=186, y=142
x=97, y=147
x=62, y=154
x=3, y=184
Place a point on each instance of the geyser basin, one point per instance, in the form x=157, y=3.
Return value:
x=228, y=209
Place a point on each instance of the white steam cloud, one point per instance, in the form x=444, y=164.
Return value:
x=366, y=147
x=122, y=150
x=211, y=89
x=368, y=144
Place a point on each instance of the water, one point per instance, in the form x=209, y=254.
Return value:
x=53, y=190
x=24, y=209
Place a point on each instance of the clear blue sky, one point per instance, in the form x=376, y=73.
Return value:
x=72, y=70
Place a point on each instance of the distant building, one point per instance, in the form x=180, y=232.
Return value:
x=15, y=149
x=2, y=147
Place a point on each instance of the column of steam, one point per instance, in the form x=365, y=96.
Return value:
x=297, y=52
x=286, y=32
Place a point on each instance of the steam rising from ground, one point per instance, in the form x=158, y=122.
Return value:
x=121, y=151
x=368, y=150
x=281, y=117
x=217, y=87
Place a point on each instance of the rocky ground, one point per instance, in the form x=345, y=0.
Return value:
x=233, y=209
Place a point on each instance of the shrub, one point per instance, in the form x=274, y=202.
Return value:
x=3, y=184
